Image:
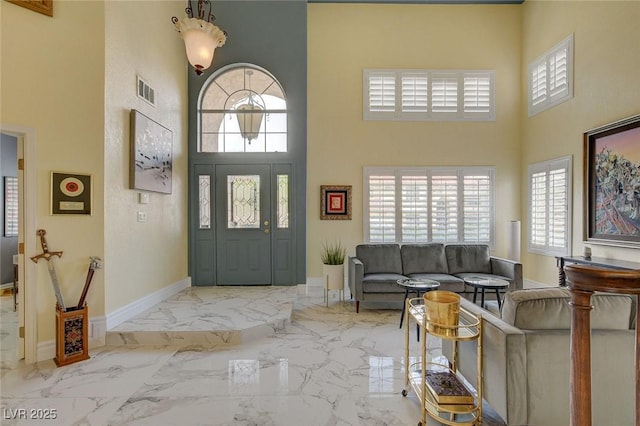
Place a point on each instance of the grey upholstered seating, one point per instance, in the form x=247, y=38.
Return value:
x=376, y=268
x=526, y=357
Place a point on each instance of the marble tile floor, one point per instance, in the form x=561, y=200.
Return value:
x=210, y=316
x=328, y=366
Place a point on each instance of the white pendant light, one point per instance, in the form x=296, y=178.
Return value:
x=201, y=37
x=250, y=114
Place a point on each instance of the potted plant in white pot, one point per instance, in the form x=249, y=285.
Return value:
x=333, y=268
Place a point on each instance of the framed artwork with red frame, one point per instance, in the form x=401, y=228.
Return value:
x=335, y=202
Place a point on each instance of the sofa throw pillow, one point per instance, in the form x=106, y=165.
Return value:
x=423, y=259
x=468, y=258
x=380, y=258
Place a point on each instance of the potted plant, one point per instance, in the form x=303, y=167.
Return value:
x=333, y=267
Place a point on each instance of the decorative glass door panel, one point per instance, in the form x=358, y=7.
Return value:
x=204, y=201
x=243, y=201
x=243, y=237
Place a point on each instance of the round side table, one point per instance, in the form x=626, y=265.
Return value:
x=418, y=286
x=484, y=283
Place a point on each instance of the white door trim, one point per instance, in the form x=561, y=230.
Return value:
x=27, y=271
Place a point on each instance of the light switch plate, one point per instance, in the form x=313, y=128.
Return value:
x=142, y=216
x=143, y=198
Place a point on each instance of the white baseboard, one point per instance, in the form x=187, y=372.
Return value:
x=129, y=311
x=98, y=326
x=46, y=350
x=315, y=282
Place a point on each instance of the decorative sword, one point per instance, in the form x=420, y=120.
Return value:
x=48, y=256
x=93, y=265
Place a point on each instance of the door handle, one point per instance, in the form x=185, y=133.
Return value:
x=266, y=224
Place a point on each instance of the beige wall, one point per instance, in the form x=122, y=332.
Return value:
x=143, y=257
x=345, y=39
x=607, y=88
x=52, y=81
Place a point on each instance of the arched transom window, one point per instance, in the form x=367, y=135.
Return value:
x=243, y=109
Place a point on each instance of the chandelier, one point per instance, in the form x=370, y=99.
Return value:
x=201, y=37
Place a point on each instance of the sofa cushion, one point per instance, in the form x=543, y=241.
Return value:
x=548, y=308
x=420, y=258
x=468, y=258
x=382, y=283
x=380, y=258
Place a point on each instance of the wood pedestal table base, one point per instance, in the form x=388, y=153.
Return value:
x=583, y=281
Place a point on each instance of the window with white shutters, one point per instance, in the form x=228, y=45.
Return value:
x=415, y=211
x=382, y=92
x=478, y=94
x=551, y=77
x=429, y=204
x=444, y=93
x=415, y=92
x=549, y=207
x=429, y=95
x=382, y=208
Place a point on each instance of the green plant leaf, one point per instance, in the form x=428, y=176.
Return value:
x=333, y=254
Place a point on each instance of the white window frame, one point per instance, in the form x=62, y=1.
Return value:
x=392, y=100
x=551, y=96
x=399, y=172
x=547, y=167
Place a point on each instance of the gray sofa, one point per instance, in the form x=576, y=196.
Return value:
x=526, y=357
x=376, y=268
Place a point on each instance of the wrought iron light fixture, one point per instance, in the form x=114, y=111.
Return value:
x=250, y=113
x=201, y=37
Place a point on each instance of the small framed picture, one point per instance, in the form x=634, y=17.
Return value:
x=70, y=193
x=335, y=202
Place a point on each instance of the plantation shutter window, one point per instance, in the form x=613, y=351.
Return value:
x=415, y=92
x=428, y=95
x=444, y=208
x=415, y=214
x=444, y=94
x=382, y=92
x=429, y=204
x=539, y=209
x=551, y=77
x=477, y=208
x=477, y=96
x=382, y=208
x=549, y=207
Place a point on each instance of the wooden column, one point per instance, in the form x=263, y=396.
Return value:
x=583, y=281
x=580, y=374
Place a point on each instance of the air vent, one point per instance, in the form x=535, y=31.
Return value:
x=146, y=92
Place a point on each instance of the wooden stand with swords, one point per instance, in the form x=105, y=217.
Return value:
x=72, y=323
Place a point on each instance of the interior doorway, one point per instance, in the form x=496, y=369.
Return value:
x=11, y=346
x=26, y=306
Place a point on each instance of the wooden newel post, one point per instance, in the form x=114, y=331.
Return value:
x=583, y=281
x=580, y=374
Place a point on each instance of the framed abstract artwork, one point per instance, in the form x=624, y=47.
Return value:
x=335, y=202
x=70, y=193
x=151, y=155
x=612, y=183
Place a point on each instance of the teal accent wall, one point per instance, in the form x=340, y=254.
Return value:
x=272, y=35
